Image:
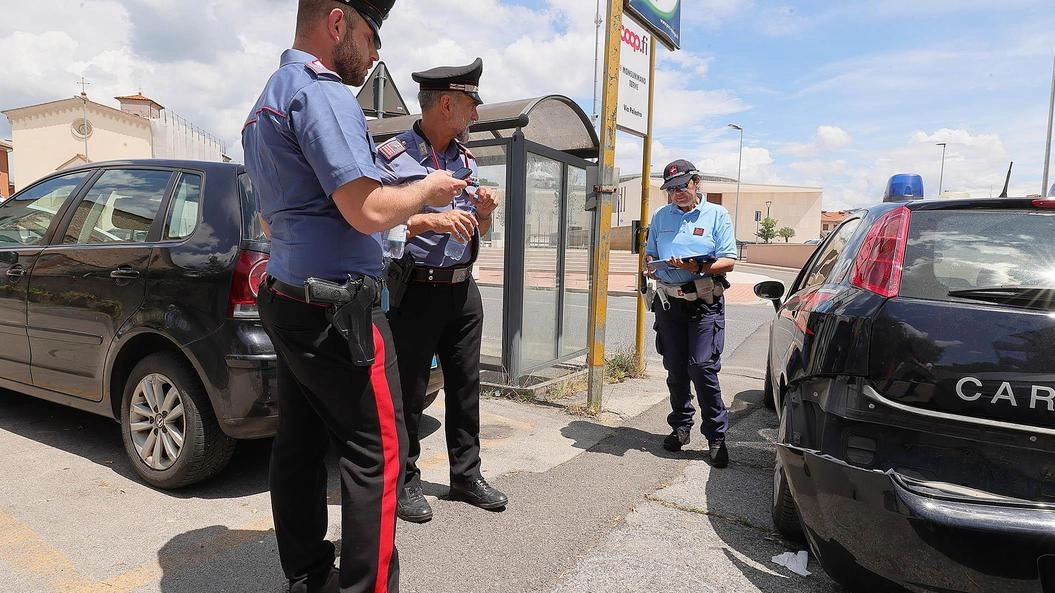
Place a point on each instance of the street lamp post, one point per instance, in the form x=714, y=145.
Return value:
x=941, y=175
x=739, y=161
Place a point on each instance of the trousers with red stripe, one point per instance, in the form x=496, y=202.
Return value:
x=324, y=398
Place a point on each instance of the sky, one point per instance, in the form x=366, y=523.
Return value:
x=837, y=95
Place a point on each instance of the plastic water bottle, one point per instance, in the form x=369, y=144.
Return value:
x=394, y=241
x=455, y=248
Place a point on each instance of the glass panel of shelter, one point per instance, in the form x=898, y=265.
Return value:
x=544, y=189
x=578, y=227
x=489, y=271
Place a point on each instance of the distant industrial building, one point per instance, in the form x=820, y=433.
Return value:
x=791, y=206
x=59, y=134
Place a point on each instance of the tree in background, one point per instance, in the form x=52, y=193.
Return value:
x=786, y=232
x=767, y=229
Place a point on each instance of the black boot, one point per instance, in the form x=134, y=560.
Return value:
x=677, y=438
x=719, y=454
x=325, y=582
x=411, y=505
x=479, y=493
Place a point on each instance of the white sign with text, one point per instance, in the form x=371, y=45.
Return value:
x=633, y=77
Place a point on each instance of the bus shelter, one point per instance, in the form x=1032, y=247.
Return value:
x=539, y=157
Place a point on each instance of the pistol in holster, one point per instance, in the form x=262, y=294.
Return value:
x=397, y=278
x=350, y=312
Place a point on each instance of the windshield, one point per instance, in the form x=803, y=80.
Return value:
x=955, y=250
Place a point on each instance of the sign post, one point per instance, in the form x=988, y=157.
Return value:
x=605, y=189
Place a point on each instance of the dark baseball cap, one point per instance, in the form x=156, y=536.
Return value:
x=677, y=173
x=374, y=12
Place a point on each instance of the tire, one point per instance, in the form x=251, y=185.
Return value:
x=785, y=513
x=151, y=427
x=768, y=400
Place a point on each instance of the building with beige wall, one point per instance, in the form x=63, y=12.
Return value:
x=791, y=206
x=59, y=134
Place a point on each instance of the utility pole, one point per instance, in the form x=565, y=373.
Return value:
x=739, y=161
x=941, y=175
x=84, y=114
x=606, y=188
x=1047, y=146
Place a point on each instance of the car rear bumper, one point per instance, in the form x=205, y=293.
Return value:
x=880, y=530
x=252, y=409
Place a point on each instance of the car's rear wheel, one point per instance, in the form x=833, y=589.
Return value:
x=785, y=513
x=170, y=434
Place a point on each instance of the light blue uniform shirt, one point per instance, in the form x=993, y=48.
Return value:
x=704, y=231
x=409, y=157
x=305, y=137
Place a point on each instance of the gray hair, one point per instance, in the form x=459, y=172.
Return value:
x=429, y=99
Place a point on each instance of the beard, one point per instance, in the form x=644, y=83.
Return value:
x=463, y=136
x=349, y=64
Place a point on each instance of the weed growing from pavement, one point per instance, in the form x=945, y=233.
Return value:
x=623, y=365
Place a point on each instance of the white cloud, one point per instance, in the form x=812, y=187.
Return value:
x=827, y=138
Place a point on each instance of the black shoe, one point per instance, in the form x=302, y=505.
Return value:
x=327, y=582
x=412, y=506
x=719, y=454
x=677, y=438
x=479, y=493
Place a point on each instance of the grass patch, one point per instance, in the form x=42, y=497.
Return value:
x=623, y=365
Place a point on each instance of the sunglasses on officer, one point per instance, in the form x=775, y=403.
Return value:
x=677, y=188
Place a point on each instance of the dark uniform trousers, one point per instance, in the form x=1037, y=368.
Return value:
x=691, y=337
x=446, y=320
x=322, y=395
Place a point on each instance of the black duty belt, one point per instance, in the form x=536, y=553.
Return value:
x=441, y=275
x=297, y=293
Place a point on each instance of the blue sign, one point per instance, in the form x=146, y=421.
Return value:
x=663, y=17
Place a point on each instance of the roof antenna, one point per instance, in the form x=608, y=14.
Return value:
x=1003, y=194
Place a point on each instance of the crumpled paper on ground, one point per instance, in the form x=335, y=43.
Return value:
x=796, y=563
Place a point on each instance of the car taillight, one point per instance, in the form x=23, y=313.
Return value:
x=248, y=273
x=1042, y=203
x=878, y=265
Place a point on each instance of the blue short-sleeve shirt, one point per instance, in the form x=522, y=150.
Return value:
x=705, y=231
x=409, y=157
x=305, y=137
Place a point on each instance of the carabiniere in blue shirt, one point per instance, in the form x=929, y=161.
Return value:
x=705, y=231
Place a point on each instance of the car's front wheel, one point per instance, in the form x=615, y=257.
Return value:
x=785, y=513
x=768, y=400
x=170, y=433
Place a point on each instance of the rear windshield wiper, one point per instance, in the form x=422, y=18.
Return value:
x=1033, y=297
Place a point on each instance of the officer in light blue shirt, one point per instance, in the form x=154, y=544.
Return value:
x=690, y=248
x=313, y=169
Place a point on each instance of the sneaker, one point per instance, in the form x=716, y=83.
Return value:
x=677, y=438
x=718, y=452
x=479, y=493
x=411, y=505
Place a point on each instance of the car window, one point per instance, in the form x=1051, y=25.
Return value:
x=119, y=207
x=964, y=249
x=185, y=205
x=24, y=219
x=251, y=228
x=824, y=268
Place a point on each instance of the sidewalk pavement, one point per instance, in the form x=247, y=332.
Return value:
x=597, y=506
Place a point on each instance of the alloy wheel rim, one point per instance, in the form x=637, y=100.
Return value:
x=157, y=421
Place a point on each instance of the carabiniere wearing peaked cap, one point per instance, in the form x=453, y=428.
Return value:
x=374, y=12
x=453, y=78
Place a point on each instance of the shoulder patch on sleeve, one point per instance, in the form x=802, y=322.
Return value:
x=318, y=69
x=391, y=149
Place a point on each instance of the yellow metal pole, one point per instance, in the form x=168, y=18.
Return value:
x=646, y=190
x=605, y=190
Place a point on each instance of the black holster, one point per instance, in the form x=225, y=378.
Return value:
x=397, y=277
x=350, y=312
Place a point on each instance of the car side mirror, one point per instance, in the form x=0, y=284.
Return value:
x=771, y=290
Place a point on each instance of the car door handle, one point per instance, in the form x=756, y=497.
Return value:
x=124, y=273
x=16, y=271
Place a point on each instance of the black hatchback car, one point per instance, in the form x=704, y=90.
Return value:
x=128, y=289
x=913, y=370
